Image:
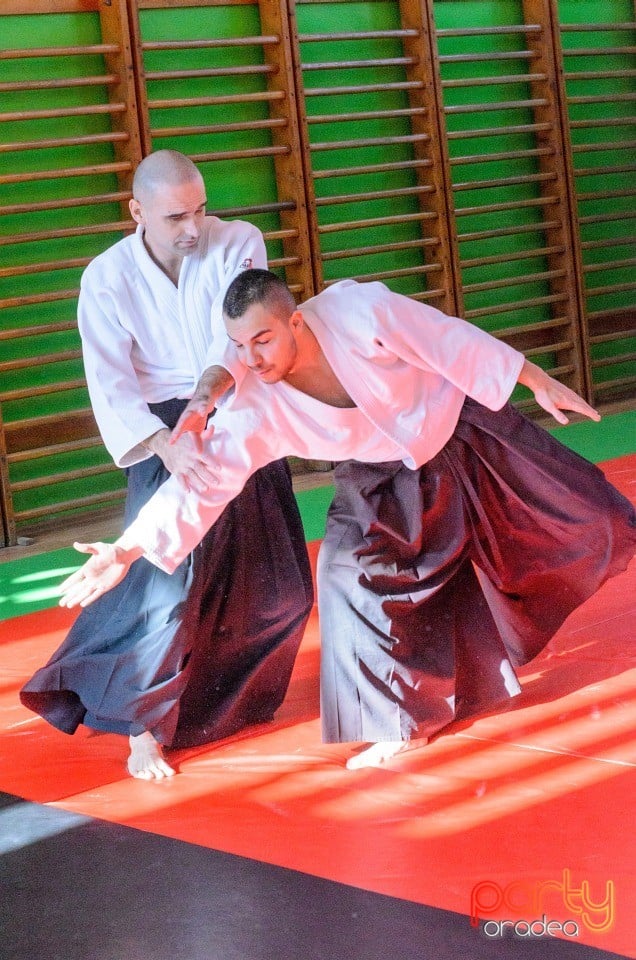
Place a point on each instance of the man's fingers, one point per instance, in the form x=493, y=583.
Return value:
x=554, y=401
x=81, y=595
x=71, y=580
x=85, y=547
x=178, y=431
x=182, y=426
x=198, y=477
x=201, y=480
x=190, y=421
x=76, y=596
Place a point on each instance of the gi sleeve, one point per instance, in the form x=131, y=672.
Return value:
x=123, y=416
x=175, y=520
x=477, y=363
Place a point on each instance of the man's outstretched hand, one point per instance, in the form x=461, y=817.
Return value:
x=107, y=566
x=554, y=396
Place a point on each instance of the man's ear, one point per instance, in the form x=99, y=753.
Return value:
x=135, y=210
x=296, y=321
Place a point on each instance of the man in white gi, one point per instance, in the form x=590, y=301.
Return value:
x=192, y=657
x=461, y=534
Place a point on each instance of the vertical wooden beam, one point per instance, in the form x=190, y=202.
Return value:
x=553, y=133
x=139, y=77
x=113, y=15
x=418, y=15
x=8, y=533
x=304, y=149
x=289, y=166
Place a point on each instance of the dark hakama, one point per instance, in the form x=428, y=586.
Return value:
x=435, y=583
x=196, y=655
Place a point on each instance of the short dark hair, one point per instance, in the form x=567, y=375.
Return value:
x=255, y=286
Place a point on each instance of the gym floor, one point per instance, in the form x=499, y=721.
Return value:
x=264, y=847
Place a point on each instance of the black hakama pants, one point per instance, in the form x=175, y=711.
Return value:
x=196, y=655
x=433, y=584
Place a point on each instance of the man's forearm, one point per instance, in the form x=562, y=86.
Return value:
x=157, y=442
x=212, y=384
x=532, y=375
x=127, y=549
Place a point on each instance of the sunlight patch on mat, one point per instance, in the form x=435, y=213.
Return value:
x=23, y=824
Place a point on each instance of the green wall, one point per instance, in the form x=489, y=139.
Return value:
x=44, y=361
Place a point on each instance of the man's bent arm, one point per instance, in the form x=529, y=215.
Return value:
x=173, y=521
x=213, y=383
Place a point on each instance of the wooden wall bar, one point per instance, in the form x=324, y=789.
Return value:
x=373, y=160
x=599, y=93
x=69, y=142
x=477, y=157
x=224, y=94
x=508, y=185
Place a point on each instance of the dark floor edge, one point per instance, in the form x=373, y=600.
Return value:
x=77, y=888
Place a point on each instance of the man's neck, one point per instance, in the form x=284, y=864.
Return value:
x=171, y=267
x=313, y=375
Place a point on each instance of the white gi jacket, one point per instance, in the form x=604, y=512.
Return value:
x=145, y=340
x=407, y=367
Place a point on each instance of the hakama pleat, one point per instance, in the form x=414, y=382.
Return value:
x=434, y=584
x=196, y=655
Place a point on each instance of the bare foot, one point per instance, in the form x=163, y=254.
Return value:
x=378, y=753
x=146, y=761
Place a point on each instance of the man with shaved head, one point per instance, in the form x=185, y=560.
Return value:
x=183, y=659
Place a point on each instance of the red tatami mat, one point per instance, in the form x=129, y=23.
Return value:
x=533, y=807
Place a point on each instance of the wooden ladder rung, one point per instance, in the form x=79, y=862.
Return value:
x=498, y=131
x=377, y=221
x=86, y=230
x=355, y=36
x=249, y=70
x=520, y=306
x=389, y=274
x=66, y=506
x=54, y=449
x=371, y=250
x=71, y=51
x=88, y=110
x=510, y=256
x=215, y=128
x=370, y=142
x=91, y=170
x=106, y=80
x=50, y=296
x=367, y=115
x=26, y=269
x=363, y=88
x=518, y=280
x=51, y=479
x=373, y=195
x=218, y=43
x=372, y=168
x=40, y=329
x=64, y=203
x=57, y=142
x=264, y=96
